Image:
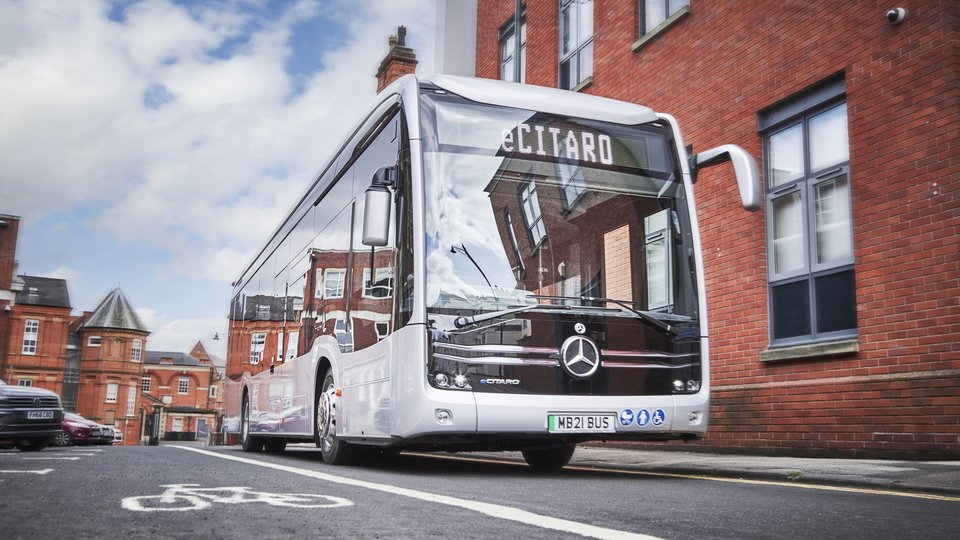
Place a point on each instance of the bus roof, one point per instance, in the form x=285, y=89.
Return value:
x=543, y=99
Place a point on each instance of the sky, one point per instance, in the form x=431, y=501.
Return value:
x=154, y=145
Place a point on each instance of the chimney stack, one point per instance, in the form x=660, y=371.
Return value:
x=400, y=60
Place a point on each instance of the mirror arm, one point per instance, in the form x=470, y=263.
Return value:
x=744, y=167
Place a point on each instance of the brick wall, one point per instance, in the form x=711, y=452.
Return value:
x=8, y=252
x=714, y=70
x=106, y=364
x=45, y=367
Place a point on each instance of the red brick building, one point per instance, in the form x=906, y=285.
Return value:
x=9, y=230
x=39, y=328
x=835, y=310
x=184, y=389
x=112, y=341
x=93, y=361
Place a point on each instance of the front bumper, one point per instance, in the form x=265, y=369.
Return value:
x=15, y=425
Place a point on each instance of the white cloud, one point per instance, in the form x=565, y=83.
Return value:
x=164, y=145
x=180, y=335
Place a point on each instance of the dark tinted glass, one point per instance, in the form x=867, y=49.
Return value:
x=835, y=302
x=791, y=310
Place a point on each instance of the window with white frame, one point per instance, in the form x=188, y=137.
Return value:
x=576, y=42
x=213, y=391
x=184, y=385
x=809, y=226
x=112, y=390
x=31, y=330
x=136, y=350
x=257, y=342
x=25, y=382
x=93, y=341
x=382, y=286
x=333, y=283
x=145, y=384
x=519, y=268
x=177, y=423
x=131, y=400
x=653, y=13
x=531, y=211
x=508, y=50
x=572, y=184
x=383, y=329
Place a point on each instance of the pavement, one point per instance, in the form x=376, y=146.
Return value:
x=935, y=477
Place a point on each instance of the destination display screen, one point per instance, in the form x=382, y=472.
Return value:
x=553, y=141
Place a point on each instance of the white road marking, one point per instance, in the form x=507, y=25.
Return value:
x=186, y=497
x=52, y=458
x=494, y=510
x=42, y=471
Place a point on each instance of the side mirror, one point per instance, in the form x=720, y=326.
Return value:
x=744, y=167
x=377, y=201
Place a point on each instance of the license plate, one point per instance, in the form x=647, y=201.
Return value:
x=581, y=423
x=39, y=415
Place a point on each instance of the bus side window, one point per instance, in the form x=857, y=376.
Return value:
x=372, y=284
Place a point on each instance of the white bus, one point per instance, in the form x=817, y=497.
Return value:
x=482, y=265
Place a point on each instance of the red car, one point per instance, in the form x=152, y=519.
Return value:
x=80, y=431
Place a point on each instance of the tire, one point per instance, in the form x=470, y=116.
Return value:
x=551, y=457
x=274, y=445
x=62, y=439
x=334, y=450
x=249, y=442
x=33, y=445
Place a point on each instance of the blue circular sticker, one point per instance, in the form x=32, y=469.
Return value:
x=643, y=417
x=658, y=417
x=626, y=417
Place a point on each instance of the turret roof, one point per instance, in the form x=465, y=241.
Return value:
x=115, y=312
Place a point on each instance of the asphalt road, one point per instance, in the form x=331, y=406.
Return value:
x=178, y=491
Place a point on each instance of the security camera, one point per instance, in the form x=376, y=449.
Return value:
x=896, y=15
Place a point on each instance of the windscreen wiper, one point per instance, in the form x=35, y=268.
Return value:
x=626, y=304
x=461, y=322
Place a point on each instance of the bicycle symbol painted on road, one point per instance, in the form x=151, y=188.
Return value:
x=186, y=497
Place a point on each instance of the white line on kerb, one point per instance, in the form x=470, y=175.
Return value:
x=42, y=471
x=51, y=458
x=493, y=510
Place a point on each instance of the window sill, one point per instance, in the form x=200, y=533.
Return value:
x=583, y=84
x=812, y=350
x=661, y=28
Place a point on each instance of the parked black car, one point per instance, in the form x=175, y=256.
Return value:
x=30, y=417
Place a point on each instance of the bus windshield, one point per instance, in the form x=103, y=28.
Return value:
x=524, y=208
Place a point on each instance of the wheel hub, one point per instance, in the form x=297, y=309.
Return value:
x=324, y=415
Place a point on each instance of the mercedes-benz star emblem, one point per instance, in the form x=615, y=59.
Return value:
x=579, y=357
x=580, y=328
x=36, y=402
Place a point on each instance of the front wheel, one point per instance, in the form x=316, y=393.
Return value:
x=62, y=439
x=551, y=457
x=334, y=450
